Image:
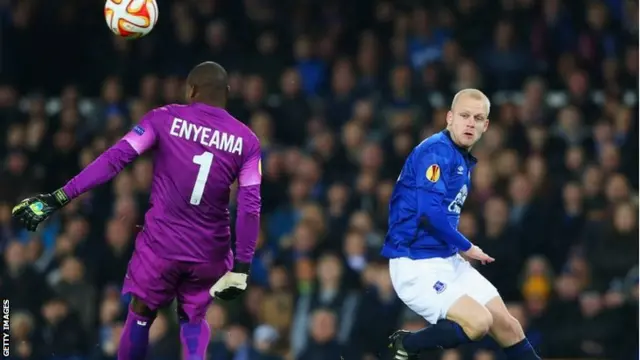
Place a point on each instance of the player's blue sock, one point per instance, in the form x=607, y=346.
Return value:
x=444, y=334
x=135, y=337
x=521, y=351
x=194, y=338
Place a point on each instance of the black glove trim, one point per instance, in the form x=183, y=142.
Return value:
x=240, y=267
x=61, y=197
x=229, y=294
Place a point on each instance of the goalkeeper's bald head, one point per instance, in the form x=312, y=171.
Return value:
x=208, y=83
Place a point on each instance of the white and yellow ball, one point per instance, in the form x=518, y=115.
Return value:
x=131, y=19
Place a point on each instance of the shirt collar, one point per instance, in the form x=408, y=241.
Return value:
x=210, y=109
x=466, y=153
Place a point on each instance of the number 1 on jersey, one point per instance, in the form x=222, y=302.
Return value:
x=204, y=160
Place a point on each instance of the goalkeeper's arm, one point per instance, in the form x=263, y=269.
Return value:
x=247, y=228
x=112, y=161
x=234, y=282
x=34, y=210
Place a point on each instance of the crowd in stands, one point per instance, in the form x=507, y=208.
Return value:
x=339, y=92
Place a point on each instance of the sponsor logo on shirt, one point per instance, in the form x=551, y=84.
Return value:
x=439, y=287
x=138, y=130
x=456, y=205
x=433, y=173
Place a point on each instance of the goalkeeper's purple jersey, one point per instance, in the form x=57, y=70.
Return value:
x=199, y=152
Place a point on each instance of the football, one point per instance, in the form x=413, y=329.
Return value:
x=131, y=19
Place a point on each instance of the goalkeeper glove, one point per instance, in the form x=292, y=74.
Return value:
x=30, y=212
x=231, y=284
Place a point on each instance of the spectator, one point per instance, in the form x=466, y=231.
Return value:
x=235, y=344
x=369, y=333
x=330, y=294
x=323, y=333
x=76, y=291
x=62, y=332
x=264, y=338
x=339, y=94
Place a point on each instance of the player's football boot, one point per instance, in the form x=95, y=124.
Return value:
x=397, y=348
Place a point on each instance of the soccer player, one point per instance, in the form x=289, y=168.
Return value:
x=423, y=244
x=183, y=251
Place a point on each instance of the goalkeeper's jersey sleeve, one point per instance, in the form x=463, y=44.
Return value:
x=106, y=166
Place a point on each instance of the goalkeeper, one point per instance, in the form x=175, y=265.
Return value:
x=183, y=252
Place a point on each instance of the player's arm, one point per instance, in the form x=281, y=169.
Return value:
x=141, y=138
x=32, y=211
x=432, y=171
x=249, y=203
x=247, y=227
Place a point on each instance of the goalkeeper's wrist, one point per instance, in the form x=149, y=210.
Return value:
x=241, y=267
x=60, y=197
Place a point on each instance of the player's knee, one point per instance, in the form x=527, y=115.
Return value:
x=479, y=325
x=507, y=328
x=474, y=318
x=515, y=328
x=140, y=308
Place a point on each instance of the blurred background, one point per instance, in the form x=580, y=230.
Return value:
x=338, y=92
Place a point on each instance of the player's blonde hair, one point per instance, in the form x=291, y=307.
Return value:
x=474, y=94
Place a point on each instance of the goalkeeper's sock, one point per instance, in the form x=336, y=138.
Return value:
x=134, y=340
x=521, y=351
x=194, y=338
x=445, y=334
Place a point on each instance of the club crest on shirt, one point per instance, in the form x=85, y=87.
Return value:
x=433, y=173
x=439, y=287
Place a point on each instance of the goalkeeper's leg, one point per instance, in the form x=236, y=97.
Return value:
x=195, y=335
x=135, y=335
x=151, y=281
x=193, y=302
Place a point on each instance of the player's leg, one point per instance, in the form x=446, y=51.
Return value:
x=194, y=334
x=505, y=329
x=151, y=282
x=193, y=302
x=134, y=339
x=428, y=287
x=508, y=332
x=465, y=321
